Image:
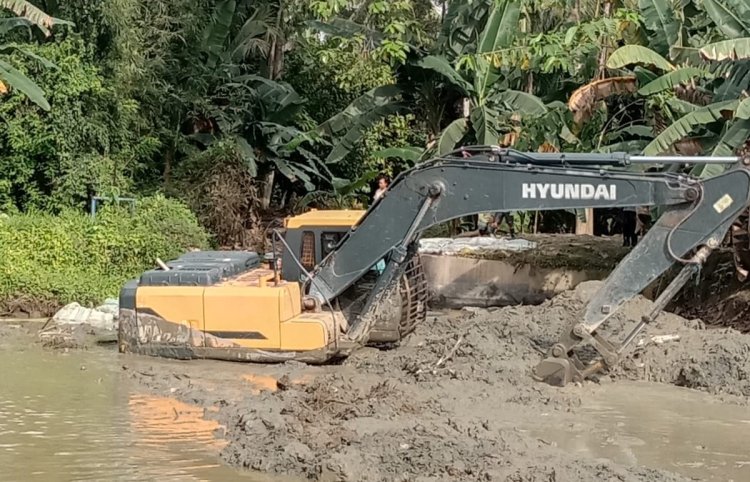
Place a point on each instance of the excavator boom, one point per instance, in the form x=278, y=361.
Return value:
x=698, y=215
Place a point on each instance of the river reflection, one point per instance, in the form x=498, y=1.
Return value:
x=76, y=417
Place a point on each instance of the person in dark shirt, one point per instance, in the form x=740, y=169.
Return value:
x=629, y=225
x=493, y=225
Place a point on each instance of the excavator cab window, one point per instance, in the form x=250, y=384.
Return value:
x=328, y=242
x=307, y=250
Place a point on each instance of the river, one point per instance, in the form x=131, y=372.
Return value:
x=660, y=426
x=76, y=417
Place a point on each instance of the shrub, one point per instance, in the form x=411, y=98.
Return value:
x=218, y=187
x=47, y=260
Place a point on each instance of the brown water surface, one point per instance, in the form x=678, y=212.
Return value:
x=660, y=426
x=75, y=417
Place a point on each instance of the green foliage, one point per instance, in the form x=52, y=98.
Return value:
x=686, y=124
x=452, y=136
x=736, y=49
x=391, y=27
x=704, y=86
x=47, y=261
x=27, y=16
x=343, y=195
x=661, y=22
x=381, y=146
x=351, y=124
x=637, y=54
x=226, y=103
x=732, y=17
x=330, y=78
x=85, y=143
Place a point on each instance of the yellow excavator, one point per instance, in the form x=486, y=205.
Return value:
x=351, y=278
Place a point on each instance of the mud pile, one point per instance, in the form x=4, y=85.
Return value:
x=449, y=404
x=454, y=402
x=338, y=429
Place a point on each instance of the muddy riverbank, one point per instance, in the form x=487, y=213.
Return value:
x=409, y=414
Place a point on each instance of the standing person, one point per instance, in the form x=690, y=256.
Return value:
x=643, y=222
x=498, y=220
x=629, y=224
x=383, y=183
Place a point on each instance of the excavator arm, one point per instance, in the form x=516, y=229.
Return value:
x=699, y=213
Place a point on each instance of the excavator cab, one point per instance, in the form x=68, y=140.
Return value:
x=311, y=237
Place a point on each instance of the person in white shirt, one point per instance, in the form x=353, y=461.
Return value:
x=383, y=183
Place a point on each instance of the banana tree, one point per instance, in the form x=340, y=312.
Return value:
x=344, y=194
x=258, y=114
x=26, y=16
x=722, y=112
x=693, y=74
x=477, y=83
x=472, y=79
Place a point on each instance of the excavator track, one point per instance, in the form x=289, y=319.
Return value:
x=412, y=305
x=413, y=290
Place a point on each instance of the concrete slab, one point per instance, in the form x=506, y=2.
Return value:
x=460, y=272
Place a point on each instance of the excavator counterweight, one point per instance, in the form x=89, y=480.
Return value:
x=353, y=278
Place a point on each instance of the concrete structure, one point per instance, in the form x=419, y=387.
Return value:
x=459, y=276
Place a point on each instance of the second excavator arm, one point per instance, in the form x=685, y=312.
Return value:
x=698, y=215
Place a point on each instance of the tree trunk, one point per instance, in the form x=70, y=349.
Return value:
x=276, y=51
x=267, y=190
x=168, y=157
x=276, y=59
x=466, y=108
x=604, y=42
x=586, y=227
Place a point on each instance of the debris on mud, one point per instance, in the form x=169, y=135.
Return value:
x=78, y=327
x=718, y=298
x=65, y=336
x=455, y=401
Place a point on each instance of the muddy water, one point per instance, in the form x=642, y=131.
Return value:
x=660, y=426
x=75, y=417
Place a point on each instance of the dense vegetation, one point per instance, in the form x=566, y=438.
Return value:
x=243, y=108
x=48, y=260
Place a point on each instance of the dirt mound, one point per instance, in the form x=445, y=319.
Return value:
x=336, y=429
x=445, y=406
x=715, y=360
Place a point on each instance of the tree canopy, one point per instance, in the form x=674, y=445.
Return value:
x=242, y=107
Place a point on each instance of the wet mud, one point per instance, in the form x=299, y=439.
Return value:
x=454, y=402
